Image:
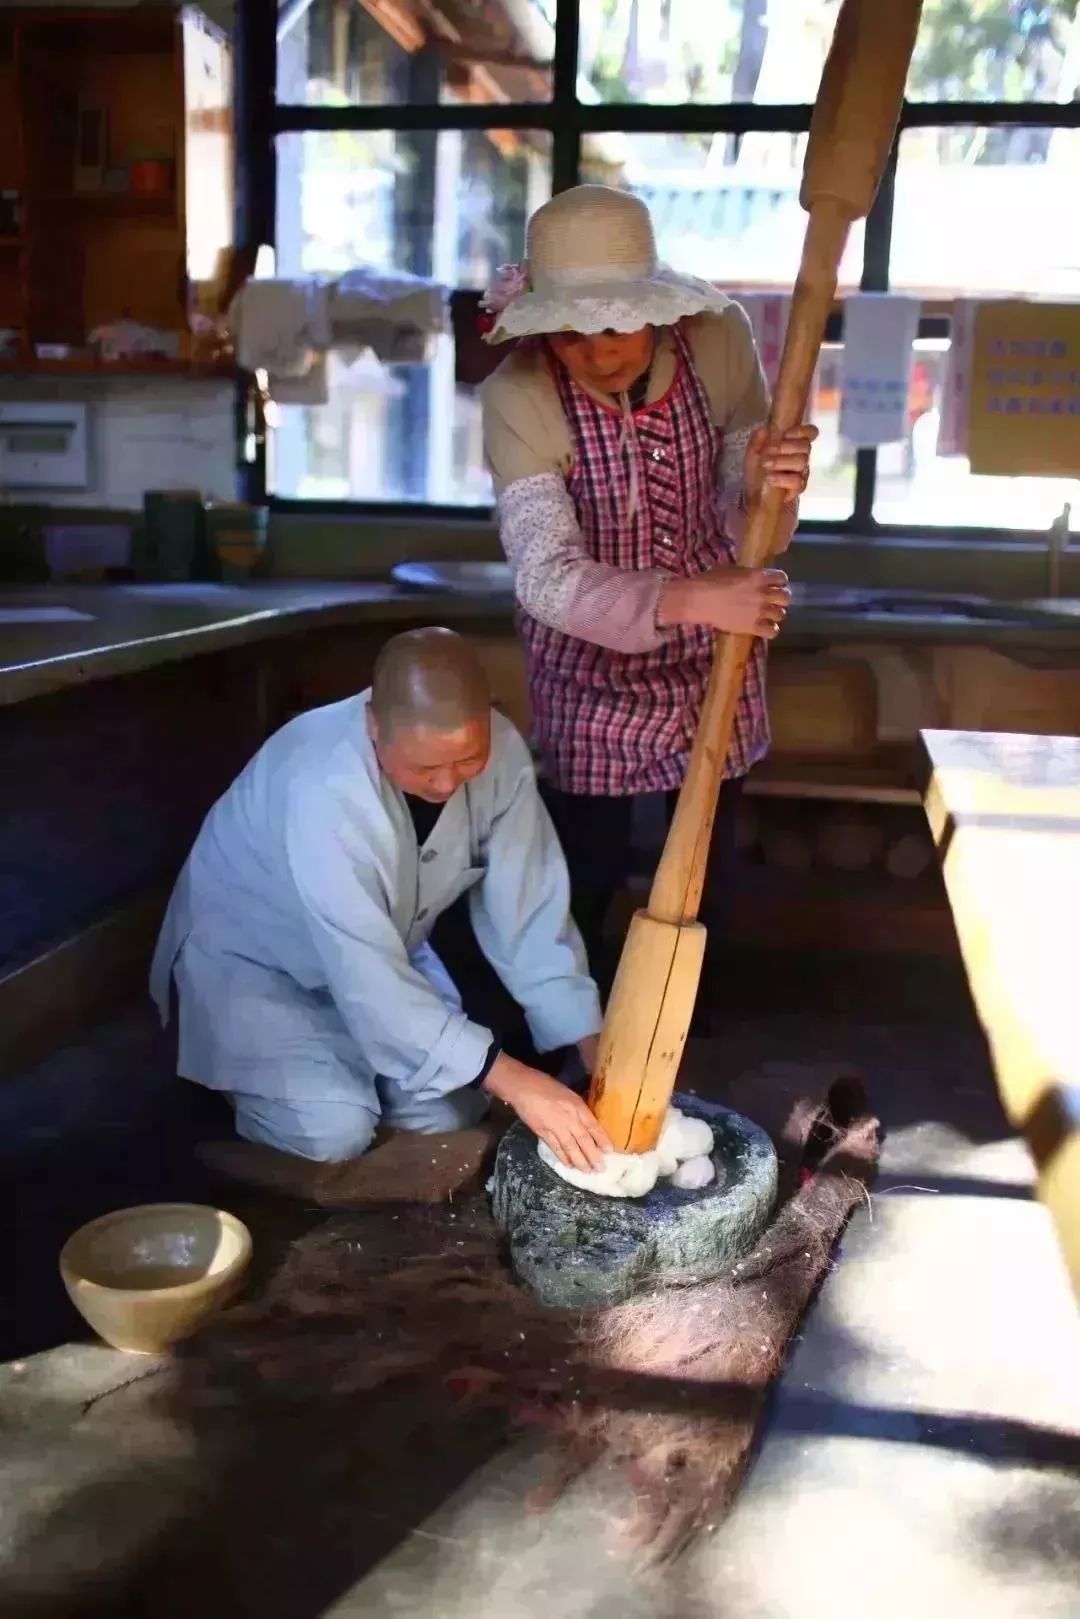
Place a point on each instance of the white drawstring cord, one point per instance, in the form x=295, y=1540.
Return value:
x=628, y=445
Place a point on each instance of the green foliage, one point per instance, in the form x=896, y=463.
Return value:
x=968, y=50
x=995, y=50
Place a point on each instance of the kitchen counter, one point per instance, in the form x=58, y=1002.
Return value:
x=106, y=630
x=52, y=637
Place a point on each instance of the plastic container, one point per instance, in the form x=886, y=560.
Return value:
x=151, y=177
x=86, y=551
x=236, y=537
x=172, y=533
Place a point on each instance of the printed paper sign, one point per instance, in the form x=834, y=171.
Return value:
x=879, y=335
x=1025, y=390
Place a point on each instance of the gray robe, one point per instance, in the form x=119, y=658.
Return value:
x=297, y=930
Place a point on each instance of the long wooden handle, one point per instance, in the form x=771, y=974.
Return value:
x=677, y=886
x=852, y=130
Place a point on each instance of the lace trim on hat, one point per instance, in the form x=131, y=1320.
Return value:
x=662, y=300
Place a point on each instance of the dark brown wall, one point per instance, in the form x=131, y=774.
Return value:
x=104, y=786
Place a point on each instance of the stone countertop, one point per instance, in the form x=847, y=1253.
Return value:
x=55, y=636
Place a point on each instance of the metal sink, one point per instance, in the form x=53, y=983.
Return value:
x=921, y=604
x=457, y=578
x=493, y=579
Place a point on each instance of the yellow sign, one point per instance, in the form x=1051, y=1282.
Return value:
x=1025, y=390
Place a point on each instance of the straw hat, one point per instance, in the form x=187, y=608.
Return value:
x=591, y=266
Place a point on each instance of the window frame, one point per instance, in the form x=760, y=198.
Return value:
x=260, y=119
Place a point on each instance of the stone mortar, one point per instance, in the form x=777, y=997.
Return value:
x=572, y=1249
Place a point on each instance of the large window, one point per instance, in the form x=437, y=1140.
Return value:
x=420, y=134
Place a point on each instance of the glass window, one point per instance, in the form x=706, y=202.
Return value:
x=670, y=51
x=916, y=485
x=987, y=210
x=996, y=50
x=983, y=209
x=333, y=53
x=450, y=205
x=408, y=433
x=830, y=495
x=387, y=433
x=725, y=208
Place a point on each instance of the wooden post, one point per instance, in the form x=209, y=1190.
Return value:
x=652, y=1000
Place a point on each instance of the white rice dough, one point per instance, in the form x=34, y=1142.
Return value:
x=694, y=1173
x=682, y=1137
x=681, y=1155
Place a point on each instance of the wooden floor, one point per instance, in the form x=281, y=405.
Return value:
x=921, y=1456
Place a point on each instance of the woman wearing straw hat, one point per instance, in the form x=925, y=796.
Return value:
x=625, y=436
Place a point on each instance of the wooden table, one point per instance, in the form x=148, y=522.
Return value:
x=1005, y=814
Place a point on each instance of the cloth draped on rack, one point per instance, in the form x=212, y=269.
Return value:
x=285, y=325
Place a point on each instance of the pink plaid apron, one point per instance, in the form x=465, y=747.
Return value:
x=615, y=723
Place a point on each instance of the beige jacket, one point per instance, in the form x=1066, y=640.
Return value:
x=529, y=451
x=526, y=432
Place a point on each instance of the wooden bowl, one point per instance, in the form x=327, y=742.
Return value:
x=146, y=1277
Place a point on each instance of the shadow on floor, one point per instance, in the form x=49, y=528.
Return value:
x=288, y=1508
x=232, y=1507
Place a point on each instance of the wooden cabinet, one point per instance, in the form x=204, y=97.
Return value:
x=116, y=157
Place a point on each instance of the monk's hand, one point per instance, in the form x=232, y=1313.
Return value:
x=743, y=601
x=552, y=1111
x=782, y=461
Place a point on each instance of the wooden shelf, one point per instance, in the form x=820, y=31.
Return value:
x=111, y=202
x=82, y=367
x=160, y=77
x=886, y=777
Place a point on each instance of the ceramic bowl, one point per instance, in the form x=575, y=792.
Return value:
x=146, y=1277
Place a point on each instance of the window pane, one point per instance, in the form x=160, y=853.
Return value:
x=987, y=210
x=1004, y=50
x=354, y=448
x=452, y=206
x=723, y=50
x=334, y=53
x=830, y=494
x=724, y=209
x=915, y=485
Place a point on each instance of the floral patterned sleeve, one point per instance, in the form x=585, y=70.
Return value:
x=560, y=584
x=528, y=451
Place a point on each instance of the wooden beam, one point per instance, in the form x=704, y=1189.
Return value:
x=400, y=21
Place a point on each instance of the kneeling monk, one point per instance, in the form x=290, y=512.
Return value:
x=297, y=931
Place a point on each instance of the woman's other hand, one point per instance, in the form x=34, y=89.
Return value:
x=783, y=463
x=742, y=601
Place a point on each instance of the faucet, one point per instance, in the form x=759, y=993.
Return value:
x=1056, y=542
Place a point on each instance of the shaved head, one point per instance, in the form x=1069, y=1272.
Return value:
x=429, y=680
x=430, y=712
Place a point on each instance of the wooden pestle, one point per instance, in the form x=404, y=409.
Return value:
x=652, y=999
